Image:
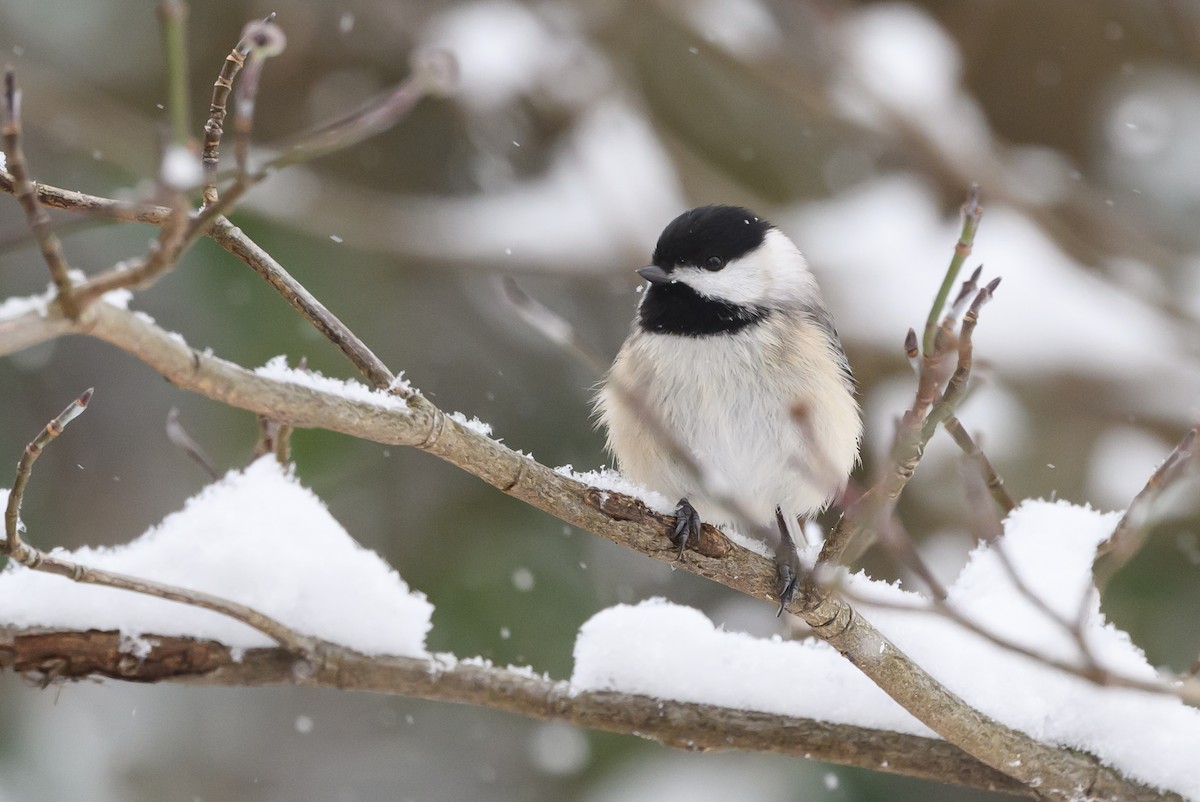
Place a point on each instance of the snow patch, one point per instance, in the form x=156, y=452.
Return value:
x=17, y=306
x=608, y=479
x=277, y=368
x=668, y=651
x=257, y=537
x=473, y=423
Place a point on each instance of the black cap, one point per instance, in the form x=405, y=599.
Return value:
x=696, y=236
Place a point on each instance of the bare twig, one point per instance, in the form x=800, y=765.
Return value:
x=991, y=478
x=265, y=39
x=82, y=203
x=214, y=128
x=274, y=437
x=172, y=16
x=1090, y=670
x=183, y=441
x=1131, y=531
x=434, y=72
x=550, y=325
x=235, y=241
x=893, y=534
x=916, y=429
x=971, y=211
x=265, y=444
x=13, y=545
x=38, y=560
x=25, y=192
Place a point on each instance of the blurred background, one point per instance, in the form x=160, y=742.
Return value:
x=580, y=130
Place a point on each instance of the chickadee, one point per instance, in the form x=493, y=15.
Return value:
x=734, y=359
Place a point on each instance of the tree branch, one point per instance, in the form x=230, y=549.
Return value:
x=1131, y=531
x=56, y=655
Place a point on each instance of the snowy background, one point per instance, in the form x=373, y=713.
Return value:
x=582, y=128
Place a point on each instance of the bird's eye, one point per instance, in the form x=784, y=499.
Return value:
x=714, y=263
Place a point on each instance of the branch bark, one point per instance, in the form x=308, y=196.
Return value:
x=57, y=655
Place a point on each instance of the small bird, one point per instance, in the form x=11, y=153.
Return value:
x=733, y=365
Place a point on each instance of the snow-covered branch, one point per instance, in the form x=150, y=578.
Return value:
x=51, y=655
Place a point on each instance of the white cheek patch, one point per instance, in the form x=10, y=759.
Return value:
x=775, y=273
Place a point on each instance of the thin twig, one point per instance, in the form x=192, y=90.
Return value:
x=172, y=16
x=971, y=212
x=214, y=128
x=550, y=325
x=1132, y=530
x=995, y=485
x=13, y=545
x=235, y=241
x=25, y=192
x=1090, y=671
x=917, y=427
x=965, y=293
x=283, y=444
x=941, y=413
x=184, y=442
x=268, y=428
x=260, y=40
x=901, y=544
x=433, y=73
x=266, y=40
x=295, y=642
x=36, y=559
x=82, y=203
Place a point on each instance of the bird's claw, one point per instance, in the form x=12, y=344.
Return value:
x=787, y=560
x=687, y=525
x=789, y=582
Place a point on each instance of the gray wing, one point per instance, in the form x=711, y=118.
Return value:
x=819, y=315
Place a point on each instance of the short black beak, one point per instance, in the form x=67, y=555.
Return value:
x=655, y=274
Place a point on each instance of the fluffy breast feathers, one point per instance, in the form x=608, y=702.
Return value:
x=768, y=412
